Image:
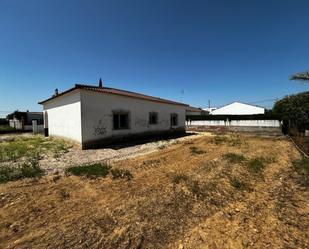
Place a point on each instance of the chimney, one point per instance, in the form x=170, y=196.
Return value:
x=100, y=83
x=56, y=92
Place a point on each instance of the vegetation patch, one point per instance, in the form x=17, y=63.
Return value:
x=302, y=168
x=234, y=157
x=233, y=140
x=18, y=147
x=239, y=184
x=121, y=174
x=6, y=128
x=256, y=165
x=25, y=170
x=90, y=170
x=180, y=177
x=195, y=150
x=218, y=139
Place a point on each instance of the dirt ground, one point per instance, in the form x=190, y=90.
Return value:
x=185, y=195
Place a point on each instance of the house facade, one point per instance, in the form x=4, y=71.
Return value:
x=238, y=108
x=92, y=115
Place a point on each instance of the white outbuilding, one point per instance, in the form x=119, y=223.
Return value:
x=96, y=115
x=238, y=108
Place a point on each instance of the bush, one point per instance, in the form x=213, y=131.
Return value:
x=121, y=173
x=234, y=158
x=90, y=170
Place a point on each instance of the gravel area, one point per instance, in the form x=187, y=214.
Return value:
x=77, y=156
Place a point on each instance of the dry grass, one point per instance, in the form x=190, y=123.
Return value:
x=176, y=198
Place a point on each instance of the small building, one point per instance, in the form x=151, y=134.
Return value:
x=97, y=115
x=238, y=108
x=25, y=121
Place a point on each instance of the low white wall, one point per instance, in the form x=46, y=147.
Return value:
x=243, y=123
x=27, y=127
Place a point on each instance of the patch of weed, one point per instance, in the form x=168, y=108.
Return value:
x=64, y=194
x=180, y=177
x=28, y=169
x=234, y=157
x=19, y=146
x=268, y=159
x=218, y=139
x=302, y=165
x=121, y=173
x=195, y=150
x=302, y=168
x=238, y=184
x=89, y=170
x=235, y=141
x=256, y=165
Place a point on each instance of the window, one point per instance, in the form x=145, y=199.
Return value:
x=153, y=118
x=174, y=119
x=121, y=121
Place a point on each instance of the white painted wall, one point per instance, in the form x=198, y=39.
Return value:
x=243, y=123
x=238, y=108
x=64, y=116
x=97, y=115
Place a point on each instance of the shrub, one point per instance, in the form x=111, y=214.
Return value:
x=90, y=170
x=121, y=173
x=234, y=158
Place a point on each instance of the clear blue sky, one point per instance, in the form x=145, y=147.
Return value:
x=189, y=51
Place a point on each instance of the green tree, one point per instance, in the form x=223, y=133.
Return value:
x=295, y=108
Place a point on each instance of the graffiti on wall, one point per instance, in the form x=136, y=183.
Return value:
x=99, y=129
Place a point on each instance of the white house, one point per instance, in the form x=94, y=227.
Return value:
x=95, y=115
x=238, y=108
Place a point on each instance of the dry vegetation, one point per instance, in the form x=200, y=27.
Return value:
x=209, y=192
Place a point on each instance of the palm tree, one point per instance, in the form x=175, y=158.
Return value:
x=300, y=76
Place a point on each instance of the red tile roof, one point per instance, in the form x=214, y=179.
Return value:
x=115, y=91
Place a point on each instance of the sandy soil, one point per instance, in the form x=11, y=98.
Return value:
x=178, y=198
